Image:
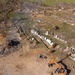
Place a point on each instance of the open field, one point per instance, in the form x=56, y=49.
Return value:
x=53, y=2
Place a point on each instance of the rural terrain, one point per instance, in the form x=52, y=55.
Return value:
x=37, y=37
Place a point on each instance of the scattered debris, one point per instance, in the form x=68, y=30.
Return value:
x=42, y=37
x=46, y=33
x=14, y=43
x=56, y=27
x=51, y=73
x=42, y=56
x=1, y=36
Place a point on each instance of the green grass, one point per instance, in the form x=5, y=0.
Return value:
x=11, y=14
x=52, y=2
x=68, y=1
x=66, y=28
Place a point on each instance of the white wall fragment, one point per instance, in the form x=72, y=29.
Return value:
x=42, y=37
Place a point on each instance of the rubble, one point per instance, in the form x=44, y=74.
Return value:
x=42, y=56
x=46, y=33
x=57, y=37
x=1, y=38
x=42, y=37
x=11, y=42
x=14, y=42
x=72, y=52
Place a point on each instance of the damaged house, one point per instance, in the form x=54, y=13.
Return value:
x=42, y=37
x=72, y=53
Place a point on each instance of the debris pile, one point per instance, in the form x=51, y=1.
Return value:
x=42, y=56
x=49, y=41
x=10, y=43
